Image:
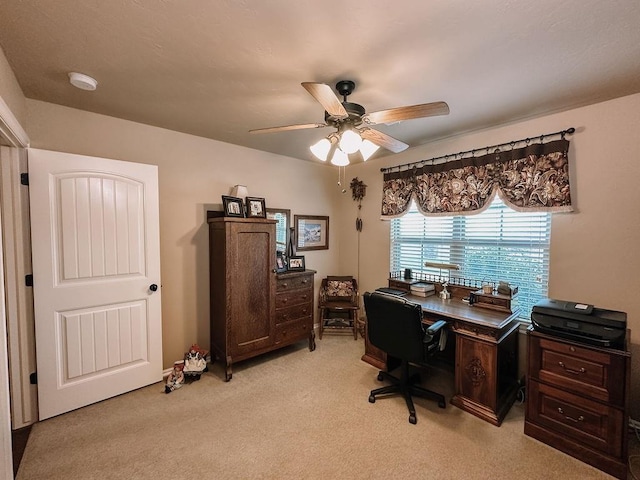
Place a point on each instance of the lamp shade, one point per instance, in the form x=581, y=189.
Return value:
x=350, y=141
x=340, y=159
x=239, y=191
x=367, y=149
x=321, y=149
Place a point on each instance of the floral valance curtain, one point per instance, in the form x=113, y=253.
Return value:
x=531, y=178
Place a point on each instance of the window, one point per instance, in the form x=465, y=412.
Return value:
x=497, y=244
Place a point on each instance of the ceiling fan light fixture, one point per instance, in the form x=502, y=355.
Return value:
x=350, y=141
x=367, y=149
x=321, y=149
x=340, y=159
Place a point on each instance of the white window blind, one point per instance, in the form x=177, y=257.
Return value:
x=497, y=244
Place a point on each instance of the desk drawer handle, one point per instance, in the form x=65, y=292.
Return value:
x=567, y=417
x=569, y=370
x=305, y=281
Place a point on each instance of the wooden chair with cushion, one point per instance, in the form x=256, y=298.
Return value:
x=339, y=304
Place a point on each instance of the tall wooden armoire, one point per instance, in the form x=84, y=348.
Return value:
x=243, y=280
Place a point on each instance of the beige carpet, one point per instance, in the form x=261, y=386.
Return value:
x=293, y=414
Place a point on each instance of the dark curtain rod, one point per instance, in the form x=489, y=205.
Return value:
x=459, y=155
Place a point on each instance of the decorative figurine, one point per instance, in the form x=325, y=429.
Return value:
x=195, y=362
x=176, y=377
x=358, y=191
x=444, y=293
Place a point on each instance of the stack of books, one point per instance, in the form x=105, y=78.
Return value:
x=423, y=289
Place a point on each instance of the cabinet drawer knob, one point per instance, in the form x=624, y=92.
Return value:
x=305, y=281
x=285, y=285
x=567, y=417
x=572, y=371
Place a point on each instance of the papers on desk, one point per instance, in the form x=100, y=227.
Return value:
x=423, y=289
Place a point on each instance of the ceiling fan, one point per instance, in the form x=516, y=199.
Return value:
x=350, y=118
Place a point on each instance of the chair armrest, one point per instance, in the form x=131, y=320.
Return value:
x=435, y=328
x=432, y=330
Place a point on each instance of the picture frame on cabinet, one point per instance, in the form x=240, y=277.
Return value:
x=256, y=207
x=232, y=206
x=281, y=264
x=296, y=264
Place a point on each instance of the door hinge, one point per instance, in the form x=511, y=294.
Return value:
x=28, y=280
x=33, y=378
x=24, y=179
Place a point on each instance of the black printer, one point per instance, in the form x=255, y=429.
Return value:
x=580, y=322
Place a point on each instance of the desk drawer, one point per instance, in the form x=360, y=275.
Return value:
x=582, y=370
x=295, y=312
x=293, y=331
x=586, y=421
x=285, y=285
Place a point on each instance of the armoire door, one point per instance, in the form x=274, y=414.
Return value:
x=96, y=270
x=252, y=302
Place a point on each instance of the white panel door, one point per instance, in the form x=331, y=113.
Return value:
x=96, y=270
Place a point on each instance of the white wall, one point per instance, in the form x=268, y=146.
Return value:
x=594, y=251
x=193, y=174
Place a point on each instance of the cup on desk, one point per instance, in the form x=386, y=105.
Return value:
x=407, y=273
x=488, y=289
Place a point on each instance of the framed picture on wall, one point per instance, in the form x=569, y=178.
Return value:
x=312, y=232
x=256, y=207
x=232, y=206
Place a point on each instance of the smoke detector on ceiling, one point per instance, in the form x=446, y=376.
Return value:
x=82, y=81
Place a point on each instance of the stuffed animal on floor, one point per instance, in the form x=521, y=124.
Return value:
x=195, y=362
x=176, y=377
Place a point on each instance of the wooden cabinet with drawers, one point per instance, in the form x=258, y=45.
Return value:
x=294, y=308
x=578, y=400
x=253, y=309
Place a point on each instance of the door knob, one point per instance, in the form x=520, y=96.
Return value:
x=153, y=287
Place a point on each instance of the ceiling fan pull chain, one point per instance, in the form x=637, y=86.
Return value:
x=341, y=178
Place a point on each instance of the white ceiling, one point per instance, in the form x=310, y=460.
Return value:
x=220, y=68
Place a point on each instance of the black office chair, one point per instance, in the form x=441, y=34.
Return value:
x=394, y=325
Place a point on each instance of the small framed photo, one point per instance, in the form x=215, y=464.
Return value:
x=256, y=208
x=312, y=232
x=232, y=206
x=296, y=264
x=281, y=265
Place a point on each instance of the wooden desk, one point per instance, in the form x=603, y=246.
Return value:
x=486, y=355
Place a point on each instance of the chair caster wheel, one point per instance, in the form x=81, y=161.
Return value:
x=442, y=404
x=372, y=399
x=412, y=419
x=380, y=377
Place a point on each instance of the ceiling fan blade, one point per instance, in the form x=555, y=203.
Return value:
x=284, y=128
x=406, y=113
x=383, y=140
x=324, y=94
